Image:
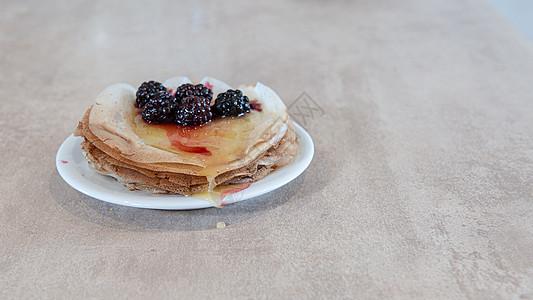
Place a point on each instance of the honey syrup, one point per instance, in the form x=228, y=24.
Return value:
x=216, y=144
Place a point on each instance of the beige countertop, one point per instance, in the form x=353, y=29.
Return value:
x=421, y=185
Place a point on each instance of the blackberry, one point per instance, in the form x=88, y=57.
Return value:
x=147, y=91
x=193, y=111
x=200, y=90
x=231, y=103
x=161, y=108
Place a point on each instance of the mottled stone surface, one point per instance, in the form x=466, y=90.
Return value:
x=421, y=186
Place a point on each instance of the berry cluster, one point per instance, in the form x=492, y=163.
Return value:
x=190, y=106
x=194, y=110
x=231, y=103
x=147, y=91
x=200, y=90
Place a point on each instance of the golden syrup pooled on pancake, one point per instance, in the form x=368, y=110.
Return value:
x=216, y=144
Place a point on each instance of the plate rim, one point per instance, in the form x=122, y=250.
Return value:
x=83, y=185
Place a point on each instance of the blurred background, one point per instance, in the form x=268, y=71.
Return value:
x=519, y=12
x=421, y=183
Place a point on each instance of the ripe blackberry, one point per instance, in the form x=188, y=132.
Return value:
x=200, y=90
x=231, y=103
x=161, y=108
x=193, y=111
x=147, y=91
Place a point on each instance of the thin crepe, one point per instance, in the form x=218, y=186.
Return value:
x=114, y=148
x=110, y=122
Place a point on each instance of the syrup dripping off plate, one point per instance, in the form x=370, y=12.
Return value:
x=73, y=168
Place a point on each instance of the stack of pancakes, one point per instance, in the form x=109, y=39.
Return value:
x=142, y=157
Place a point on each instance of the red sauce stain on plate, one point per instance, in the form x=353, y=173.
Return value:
x=231, y=191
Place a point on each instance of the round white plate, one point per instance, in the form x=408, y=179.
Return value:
x=73, y=167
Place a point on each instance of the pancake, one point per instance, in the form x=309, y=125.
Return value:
x=169, y=158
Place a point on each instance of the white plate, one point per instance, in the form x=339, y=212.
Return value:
x=73, y=167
